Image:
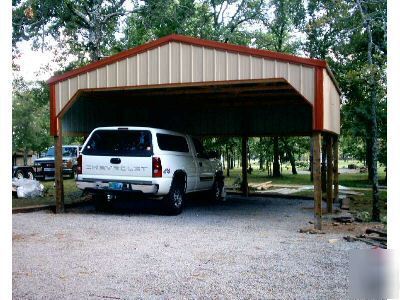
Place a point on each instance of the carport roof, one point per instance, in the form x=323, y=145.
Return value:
x=198, y=42
x=177, y=61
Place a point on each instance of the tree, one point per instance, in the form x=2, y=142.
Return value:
x=30, y=112
x=373, y=79
x=88, y=26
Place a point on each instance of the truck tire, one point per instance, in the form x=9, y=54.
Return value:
x=30, y=175
x=73, y=174
x=19, y=174
x=175, y=199
x=100, y=202
x=218, y=191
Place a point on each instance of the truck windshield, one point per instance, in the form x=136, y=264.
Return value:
x=67, y=151
x=119, y=143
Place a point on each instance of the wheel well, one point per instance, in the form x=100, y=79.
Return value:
x=180, y=175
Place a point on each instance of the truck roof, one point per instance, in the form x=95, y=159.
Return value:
x=160, y=130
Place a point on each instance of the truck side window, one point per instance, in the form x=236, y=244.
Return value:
x=200, y=151
x=171, y=142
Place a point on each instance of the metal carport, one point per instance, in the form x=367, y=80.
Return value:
x=203, y=88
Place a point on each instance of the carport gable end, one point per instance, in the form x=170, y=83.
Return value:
x=177, y=60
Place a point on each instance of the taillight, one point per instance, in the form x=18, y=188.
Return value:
x=79, y=166
x=157, y=167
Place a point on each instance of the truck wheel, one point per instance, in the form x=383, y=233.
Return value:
x=101, y=203
x=175, y=198
x=19, y=174
x=30, y=175
x=73, y=174
x=218, y=190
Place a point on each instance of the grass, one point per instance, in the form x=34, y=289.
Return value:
x=360, y=203
x=71, y=194
x=357, y=180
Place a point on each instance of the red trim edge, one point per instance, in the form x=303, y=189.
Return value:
x=319, y=100
x=53, y=123
x=192, y=41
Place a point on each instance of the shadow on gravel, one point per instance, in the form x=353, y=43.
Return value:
x=195, y=203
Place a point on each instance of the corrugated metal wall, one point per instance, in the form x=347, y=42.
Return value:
x=331, y=105
x=182, y=63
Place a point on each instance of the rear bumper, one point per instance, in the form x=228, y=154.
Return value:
x=128, y=187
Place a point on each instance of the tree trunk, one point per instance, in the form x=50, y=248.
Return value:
x=290, y=156
x=25, y=157
x=311, y=161
x=276, y=166
x=368, y=157
x=323, y=165
x=227, y=161
x=374, y=125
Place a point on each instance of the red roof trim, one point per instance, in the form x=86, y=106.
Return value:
x=319, y=100
x=191, y=41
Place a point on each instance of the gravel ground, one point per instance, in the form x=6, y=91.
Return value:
x=241, y=249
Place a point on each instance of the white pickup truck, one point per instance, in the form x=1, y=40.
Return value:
x=159, y=163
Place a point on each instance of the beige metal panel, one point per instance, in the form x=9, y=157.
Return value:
x=83, y=81
x=153, y=66
x=233, y=66
x=164, y=64
x=282, y=70
x=64, y=91
x=132, y=77
x=256, y=67
x=122, y=72
x=142, y=61
x=308, y=83
x=331, y=105
x=245, y=65
x=268, y=68
x=209, y=65
x=175, y=62
x=112, y=75
x=220, y=65
x=102, y=77
x=295, y=76
x=73, y=86
x=57, y=97
x=197, y=63
x=92, y=79
x=186, y=63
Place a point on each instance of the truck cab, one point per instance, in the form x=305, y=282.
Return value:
x=44, y=166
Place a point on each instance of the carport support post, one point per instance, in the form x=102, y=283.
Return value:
x=244, y=167
x=317, y=180
x=58, y=169
x=335, y=168
x=329, y=181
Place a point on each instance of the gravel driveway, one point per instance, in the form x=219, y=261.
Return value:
x=243, y=248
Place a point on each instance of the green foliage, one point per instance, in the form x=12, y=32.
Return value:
x=30, y=116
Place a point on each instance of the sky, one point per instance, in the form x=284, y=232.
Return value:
x=31, y=61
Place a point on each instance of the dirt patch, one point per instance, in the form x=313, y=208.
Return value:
x=22, y=237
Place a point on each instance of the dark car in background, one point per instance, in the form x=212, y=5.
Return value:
x=44, y=166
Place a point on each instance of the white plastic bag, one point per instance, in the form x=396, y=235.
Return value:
x=28, y=188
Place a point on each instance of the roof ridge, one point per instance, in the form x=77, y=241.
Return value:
x=192, y=41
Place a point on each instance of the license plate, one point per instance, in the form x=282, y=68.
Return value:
x=115, y=185
x=48, y=169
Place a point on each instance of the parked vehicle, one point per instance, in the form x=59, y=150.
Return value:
x=44, y=166
x=23, y=172
x=149, y=161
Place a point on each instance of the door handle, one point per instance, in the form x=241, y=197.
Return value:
x=115, y=160
x=200, y=164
